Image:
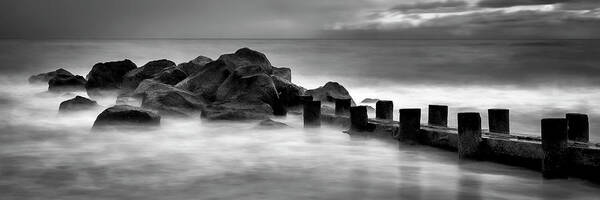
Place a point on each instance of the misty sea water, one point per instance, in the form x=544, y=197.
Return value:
x=44, y=155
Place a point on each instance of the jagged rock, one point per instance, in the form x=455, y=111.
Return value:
x=288, y=92
x=207, y=81
x=106, y=78
x=249, y=84
x=235, y=111
x=194, y=66
x=77, y=103
x=329, y=92
x=133, y=78
x=170, y=76
x=126, y=115
x=66, y=83
x=168, y=100
x=245, y=57
x=282, y=72
x=369, y=100
x=45, y=77
x=269, y=123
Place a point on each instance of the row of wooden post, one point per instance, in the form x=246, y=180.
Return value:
x=555, y=131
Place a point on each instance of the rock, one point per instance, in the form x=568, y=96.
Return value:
x=66, y=83
x=245, y=57
x=77, y=103
x=288, y=92
x=43, y=78
x=168, y=100
x=250, y=85
x=236, y=111
x=369, y=100
x=207, y=81
x=133, y=78
x=106, y=78
x=126, y=115
x=329, y=92
x=170, y=76
x=269, y=123
x=282, y=72
x=194, y=66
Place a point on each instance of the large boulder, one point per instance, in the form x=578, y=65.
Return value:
x=250, y=85
x=288, y=92
x=246, y=56
x=194, y=66
x=283, y=72
x=207, y=81
x=77, y=103
x=43, y=78
x=170, y=76
x=66, y=83
x=329, y=92
x=168, y=100
x=126, y=115
x=106, y=78
x=133, y=78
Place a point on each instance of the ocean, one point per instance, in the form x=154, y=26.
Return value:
x=44, y=155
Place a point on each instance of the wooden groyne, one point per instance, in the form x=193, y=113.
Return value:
x=563, y=149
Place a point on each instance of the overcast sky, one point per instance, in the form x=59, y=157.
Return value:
x=494, y=19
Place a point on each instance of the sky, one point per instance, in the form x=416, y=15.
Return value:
x=360, y=19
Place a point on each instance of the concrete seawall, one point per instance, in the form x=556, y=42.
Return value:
x=580, y=159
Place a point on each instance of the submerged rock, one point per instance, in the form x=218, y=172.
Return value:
x=133, y=78
x=235, y=111
x=269, y=123
x=77, y=103
x=66, y=83
x=168, y=100
x=107, y=78
x=43, y=78
x=329, y=92
x=127, y=116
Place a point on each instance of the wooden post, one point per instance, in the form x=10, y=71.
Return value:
x=342, y=106
x=410, y=124
x=312, y=114
x=384, y=110
x=498, y=120
x=555, y=147
x=438, y=115
x=469, y=135
x=578, y=127
x=359, y=121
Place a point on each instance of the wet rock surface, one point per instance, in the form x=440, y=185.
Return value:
x=43, y=78
x=125, y=115
x=77, y=103
x=107, y=77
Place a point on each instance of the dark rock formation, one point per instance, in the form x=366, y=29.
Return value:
x=270, y=124
x=207, y=81
x=66, y=83
x=329, y=92
x=106, y=78
x=43, y=78
x=194, y=66
x=168, y=100
x=282, y=72
x=126, y=115
x=250, y=85
x=236, y=111
x=245, y=57
x=288, y=92
x=133, y=78
x=170, y=76
x=77, y=103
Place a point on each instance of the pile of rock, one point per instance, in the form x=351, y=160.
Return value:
x=239, y=86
